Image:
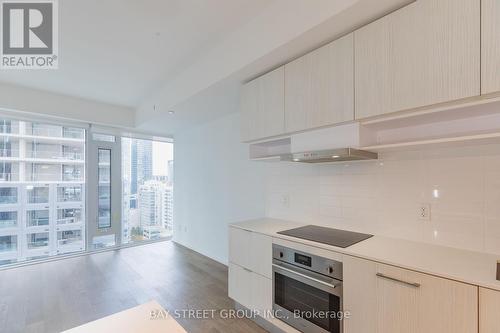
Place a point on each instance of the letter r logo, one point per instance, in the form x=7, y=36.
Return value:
x=27, y=27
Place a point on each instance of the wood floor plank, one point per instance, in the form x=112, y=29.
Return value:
x=55, y=296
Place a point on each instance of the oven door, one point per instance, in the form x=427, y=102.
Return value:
x=308, y=301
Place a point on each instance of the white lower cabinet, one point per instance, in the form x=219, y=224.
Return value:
x=387, y=299
x=250, y=263
x=251, y=250
x=250, y=289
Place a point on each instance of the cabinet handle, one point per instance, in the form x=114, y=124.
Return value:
x=411, y=284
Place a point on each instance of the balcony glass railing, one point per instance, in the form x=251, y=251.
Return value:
x=73, y=133
x=38, y=243
x=47, y=154
x=47, y=131
x=9, y=152
x=69, y=194
x=9, y=129
x=8, y=223
x=68, y=220
x=55, y=131
x=8, y=199
x=9, y=177
x=69, y=237
x=37, y=222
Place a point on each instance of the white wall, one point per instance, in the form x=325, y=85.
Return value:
x=462, y=185
x=215, y=184
x=16, y=98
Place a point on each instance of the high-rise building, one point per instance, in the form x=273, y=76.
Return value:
x=150, y=207
x=156, y=208
x=42, y=199
x=170, y=171
x=141, y=166
x=168, y=208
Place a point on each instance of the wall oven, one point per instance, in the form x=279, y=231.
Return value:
x=307, y=291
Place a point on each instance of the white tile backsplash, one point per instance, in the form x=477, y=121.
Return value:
x=462, y=186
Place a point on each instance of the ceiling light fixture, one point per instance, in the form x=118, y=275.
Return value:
x=171, y=112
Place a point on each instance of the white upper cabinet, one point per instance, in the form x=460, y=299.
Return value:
x=423, y=54
x=319, y=87
x=262, y=106
x=490, y=56
x=383, y=298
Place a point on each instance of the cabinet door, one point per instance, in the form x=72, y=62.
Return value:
x=261, y=254
x=359, y=295
x=490, y=45
x=320, y=87
x=262, y=106
x=239, y=247
x=388, y=299
x=489, y=309
x=239, y=285
x=425, y=53
x=261, y=294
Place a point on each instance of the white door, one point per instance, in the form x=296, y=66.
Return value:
x=104, y=193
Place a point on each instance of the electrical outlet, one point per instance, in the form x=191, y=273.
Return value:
x=285, y=200
x=424, y=212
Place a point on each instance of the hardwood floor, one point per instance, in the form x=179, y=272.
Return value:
x=59, y=295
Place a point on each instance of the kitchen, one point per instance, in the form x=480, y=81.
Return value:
x=405, y=240
x=337, y=166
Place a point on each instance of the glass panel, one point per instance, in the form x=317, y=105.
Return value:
x=9, y=171
x=297, y=296
x=50, y=173
x=9, y=147
x=37, y=195
x=46, y=130
x=104, y=178
x=8, y=219
x=100, y=242
x=68, y=237
x=9, y=126
x=8, y=243
x=73, y=133
x=36, y=218
x=72, y=153
x=69, y=193
x=37, y=240
x=103, y=137
x=36, y=172
x=69, y=216
x=147, y=177
x=72, y=173
x=8, y=195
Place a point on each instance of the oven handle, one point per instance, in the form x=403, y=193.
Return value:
x=335, y=289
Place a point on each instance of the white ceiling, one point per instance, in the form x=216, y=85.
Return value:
x=118, y=51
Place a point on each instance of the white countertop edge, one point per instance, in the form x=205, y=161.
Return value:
x=475, y=268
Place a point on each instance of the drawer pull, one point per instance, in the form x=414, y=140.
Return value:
x=411, y=284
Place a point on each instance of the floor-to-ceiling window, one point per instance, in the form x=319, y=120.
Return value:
x=42, y=184
x=46, y=171
x=147, y=190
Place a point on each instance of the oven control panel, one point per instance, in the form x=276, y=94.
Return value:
x=321, y=265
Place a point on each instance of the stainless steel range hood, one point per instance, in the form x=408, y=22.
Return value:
x=331, y=155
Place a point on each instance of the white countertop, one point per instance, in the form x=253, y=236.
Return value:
x=461, y=265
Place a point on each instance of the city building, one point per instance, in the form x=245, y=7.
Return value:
x=156, y=208
x=42, y=206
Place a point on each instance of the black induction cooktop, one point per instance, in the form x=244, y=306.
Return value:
x=330, y=236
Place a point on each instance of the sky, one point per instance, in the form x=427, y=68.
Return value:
x=162, y=153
